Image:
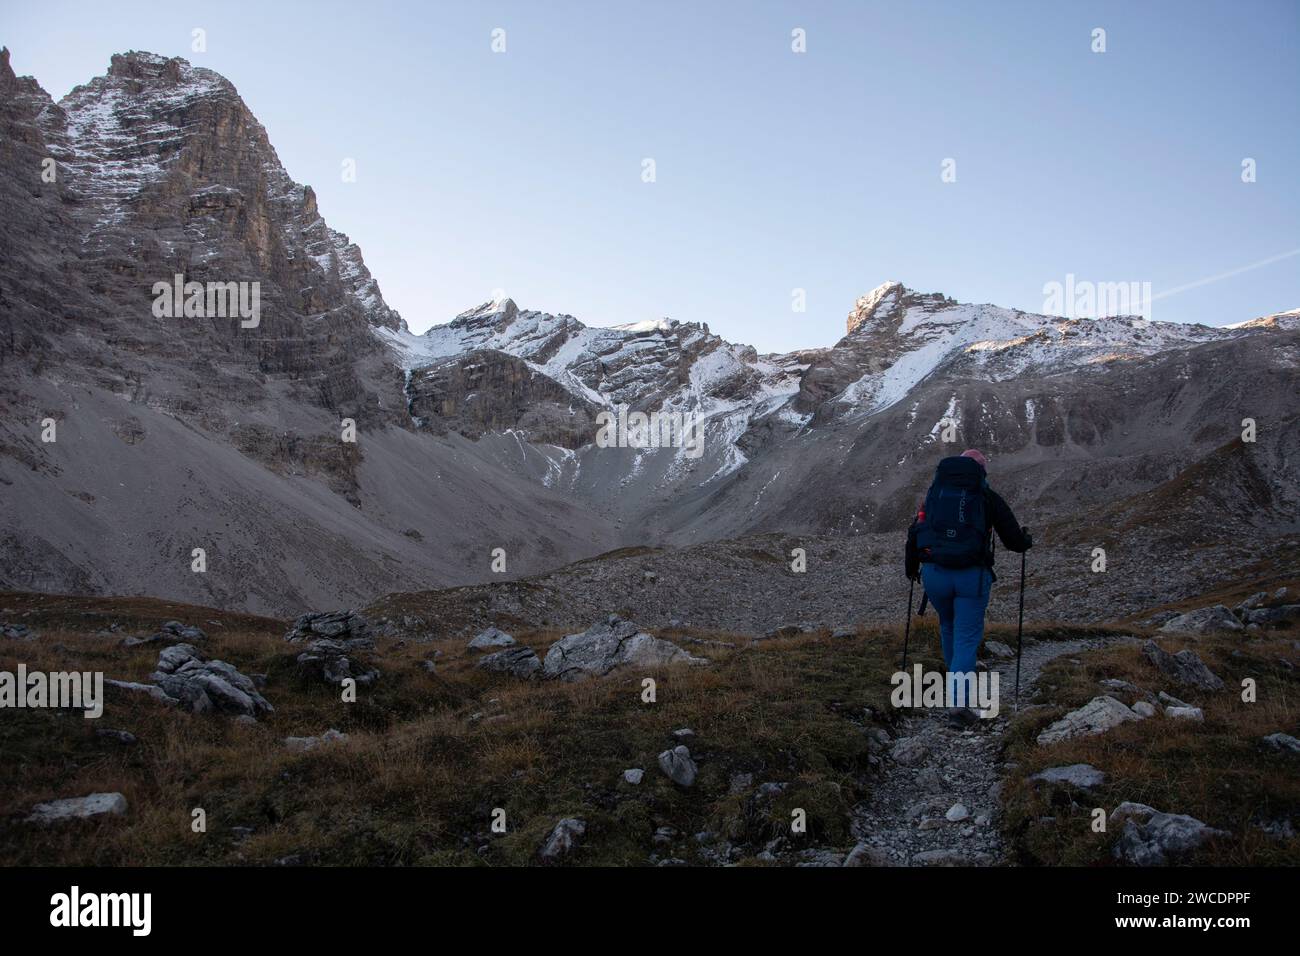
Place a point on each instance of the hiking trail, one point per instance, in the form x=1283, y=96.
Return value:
x=932, y=771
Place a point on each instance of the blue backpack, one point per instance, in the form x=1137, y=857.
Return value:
x=952, y=527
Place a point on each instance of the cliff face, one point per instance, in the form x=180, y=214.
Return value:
x=158, y=169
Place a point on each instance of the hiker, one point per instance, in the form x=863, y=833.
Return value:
x=950, y=549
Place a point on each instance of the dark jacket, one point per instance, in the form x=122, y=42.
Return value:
x=1000, y=519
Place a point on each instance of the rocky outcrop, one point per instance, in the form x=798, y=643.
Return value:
x=1184, y=667
x=335, y=640
x=1095, y=717
x=517, y=661
x=1152, y=838
x=202, y=685
x=1204, y=620
x=607, y=645
x=490, y=638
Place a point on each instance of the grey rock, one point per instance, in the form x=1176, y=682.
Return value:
x=866, y=855
x=633, y=776
x=1282, y=743
x=609, y=644
x=1128, y=809
x=1081, y=775
x=332, y=660
x=957, y=813
x=1185, y=713
x=173, y=657
x=1144, y=708
x=999, y=650
x=345, y=625
x=1169, y=700
x=1161, y=839
x=1273, y=615
x=1258, y=599
x=683, y=734
x=1205, y=620
x=678, y=766
x=301, y=744
x=154, y=691
x=78, y=808
x=518, y=661
x=909, y=750
x=17, y=632
x=1184, y=667
x=563, y=840
x=1095, y=717
x=842, y=632
x=492, y=637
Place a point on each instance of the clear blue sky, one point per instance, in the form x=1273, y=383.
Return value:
x=775, y=170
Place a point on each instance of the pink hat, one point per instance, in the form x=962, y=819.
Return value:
x=978, y=456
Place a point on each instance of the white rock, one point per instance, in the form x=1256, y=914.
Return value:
x=1095, y=717
x=957, y=813
x=1185, y=713
x=678, y=765
x=633, y=776
x=78, y=808
x=1144, y=709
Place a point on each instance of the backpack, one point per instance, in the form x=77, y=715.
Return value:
x=952, y=527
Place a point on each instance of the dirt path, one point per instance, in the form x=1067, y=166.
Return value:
x=915, y=816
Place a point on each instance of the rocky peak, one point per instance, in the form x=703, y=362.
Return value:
x=888, y=303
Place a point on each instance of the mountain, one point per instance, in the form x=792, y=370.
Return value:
x=214, y=432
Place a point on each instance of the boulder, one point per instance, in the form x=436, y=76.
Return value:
x=79, y=808
x=563, y=840
x=202, y=686
x=1205, y=620
x=999, y=650
x=1161, y=839
x=1144, y=708
x=1095, y=717
x=1273, y=615
x=1185, y=713
x=1258, y=599
x=332, y=660
x=1081, y=775
x=609, y=644
x=517, y=661
x=633, y=776
x=1184, y=667
x=1282, y=743
x=345, y=625
x=678, y=766
x=492, y=637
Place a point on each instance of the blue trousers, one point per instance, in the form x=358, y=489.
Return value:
x=960, y=597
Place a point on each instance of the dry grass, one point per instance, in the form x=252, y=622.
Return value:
x=1217, y=771
x=430, y=756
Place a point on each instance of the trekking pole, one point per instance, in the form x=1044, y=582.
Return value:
x=1020, y=626
x=907, y=630
x=925, y=599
